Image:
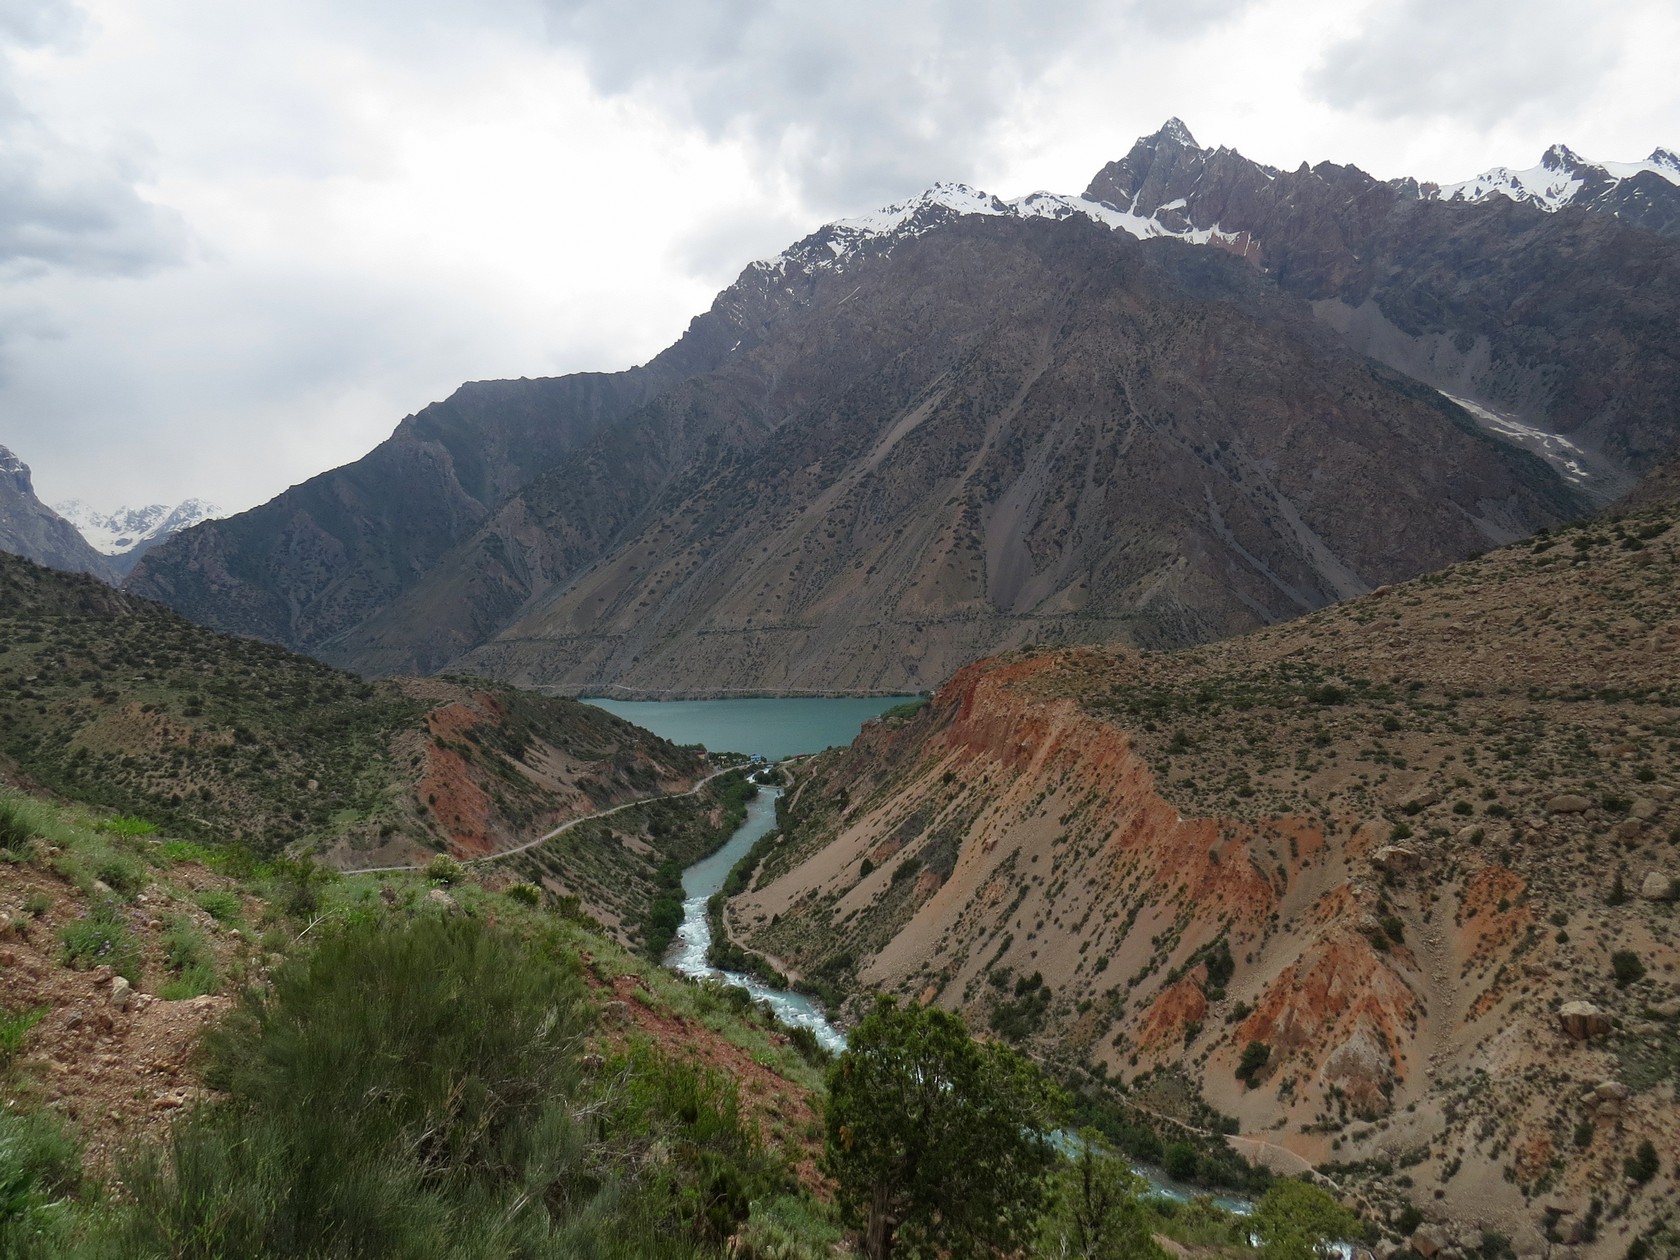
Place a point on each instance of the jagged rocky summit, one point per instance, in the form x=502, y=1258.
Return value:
x=126, y=534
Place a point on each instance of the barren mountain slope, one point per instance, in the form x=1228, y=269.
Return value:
x=1393, y=843
x=992, y=433
x=325, y=554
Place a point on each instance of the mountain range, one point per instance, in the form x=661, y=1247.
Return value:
x=1200, y=397
x=126, y=534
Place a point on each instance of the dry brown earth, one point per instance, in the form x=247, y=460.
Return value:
x=1370, y=808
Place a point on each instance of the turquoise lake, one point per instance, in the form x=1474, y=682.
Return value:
x=763, y=727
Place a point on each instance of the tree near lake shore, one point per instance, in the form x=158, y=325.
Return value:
x=935, y=1139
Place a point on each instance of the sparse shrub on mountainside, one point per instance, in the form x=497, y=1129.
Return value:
x=17, y=826
x=416, y=1087
x=1095, y=1210
x=101, y=938
x=1643, y=1164
x=187, y=955
x=1255, y=1056
x=1294, y=1220
x=934, y=1139
x=443, y=869
x=40, y=1164
x=1626, y=968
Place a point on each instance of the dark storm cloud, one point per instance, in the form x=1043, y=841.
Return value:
x=857, y=103
x=1474, y=61
x=64, y=205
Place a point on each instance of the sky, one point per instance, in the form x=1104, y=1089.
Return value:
x=240, y=241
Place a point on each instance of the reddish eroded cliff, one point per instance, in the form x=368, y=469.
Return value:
x=1043, y=846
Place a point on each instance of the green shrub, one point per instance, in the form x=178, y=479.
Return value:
x=14, y=1027
x=101, y=938
x=1643, y=1164
x=221, y=905
x=39, y=1164
x=188, y=955
x=526, y=894
x=444, y=869
x=394, y=1093
x=1181, y=1161
x=1255, y=1056
x=1626, y=968
x=17, y=825
x=127, y=825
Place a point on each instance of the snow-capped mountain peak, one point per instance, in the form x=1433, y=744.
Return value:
x=127, y=532
x=1562, y=178
x=1175, y=130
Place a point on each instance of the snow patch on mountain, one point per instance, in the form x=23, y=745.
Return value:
x=839, y=242
x=1558, y=180
x=127, y=530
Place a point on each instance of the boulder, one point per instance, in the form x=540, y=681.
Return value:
x=1610, y=1091
x=1427, y=1241
x=1667, y=1010
x=1658, y=886
x=122, y=993
x=1645, y=809
x=443, y=901
x=1396, y=857
x=1583, y=1021
x=1568, y=803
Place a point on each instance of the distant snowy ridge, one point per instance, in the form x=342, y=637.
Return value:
x=126, y=532
x=1562, y=178
x=837, y=243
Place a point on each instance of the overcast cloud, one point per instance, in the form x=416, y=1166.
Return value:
x=239, y=242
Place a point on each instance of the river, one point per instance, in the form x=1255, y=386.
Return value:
x=688, y=957
x=694, y=937
x=775, y=729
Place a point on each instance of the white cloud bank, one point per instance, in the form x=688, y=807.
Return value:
x=239, y=242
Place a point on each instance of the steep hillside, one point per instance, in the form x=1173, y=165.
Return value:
x=1393, y=885
x=30, y=528
x=322, y=556
x=990, y=432
x=109, y=699
x=1562, y=320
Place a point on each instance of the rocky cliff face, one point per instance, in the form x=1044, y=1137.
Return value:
x=323, y=556
x=31, y=529
x=1507, y=302
x=1418, y=847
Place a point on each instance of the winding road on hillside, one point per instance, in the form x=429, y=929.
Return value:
x=560, y=830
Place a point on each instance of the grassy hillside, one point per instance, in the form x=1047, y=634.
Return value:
x=112, y=700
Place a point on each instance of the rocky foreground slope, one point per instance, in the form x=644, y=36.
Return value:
x=1392, y=886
